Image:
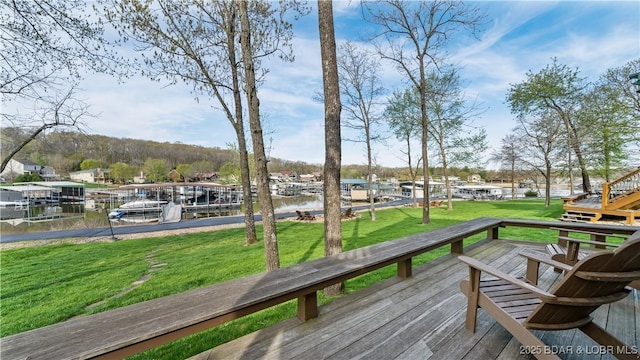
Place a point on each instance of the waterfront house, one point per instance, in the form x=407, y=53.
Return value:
x=95, y=176
x=16, y=168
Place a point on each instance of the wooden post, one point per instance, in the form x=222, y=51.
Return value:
x=562, y=233
x=307, y=306
x=605, y=195
x=457, y=246
x=600, y=238
x=493, y=233
x=404, y=268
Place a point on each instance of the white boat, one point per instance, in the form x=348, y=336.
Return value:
x=474, y=192
x=139, y=220
x=142, y=204
x=138, y=211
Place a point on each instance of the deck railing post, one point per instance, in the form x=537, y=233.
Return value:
x=561, y=235
x=308, y=306
x=606, y=190
x=404, y=268
x=600, y=238
x=493, y=233
x=457, y=246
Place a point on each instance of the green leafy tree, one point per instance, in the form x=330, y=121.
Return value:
x=185, y=171
x=28, y=177
x=121, y=173
x=559, y=89
x=88, y=164
x=202, y=167
x=607, y=122
x=230, y=171
x=614, y=119
x=155, y=170
x=619, y=79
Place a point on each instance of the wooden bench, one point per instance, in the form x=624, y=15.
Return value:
x=121, y=332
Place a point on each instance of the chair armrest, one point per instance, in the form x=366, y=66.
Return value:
x=482, y=267
x=581, y=241
x=545, y=259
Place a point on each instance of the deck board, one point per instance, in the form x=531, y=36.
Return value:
x=422, y=318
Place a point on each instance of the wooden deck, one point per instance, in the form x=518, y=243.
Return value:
x=423, y=318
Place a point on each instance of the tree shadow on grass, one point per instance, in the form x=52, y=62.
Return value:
x=311, y=249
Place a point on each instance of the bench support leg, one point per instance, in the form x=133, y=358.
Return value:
x=456, y=247
x=308, y=306
x=404, y=268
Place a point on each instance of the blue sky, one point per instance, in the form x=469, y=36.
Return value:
x=519, y=36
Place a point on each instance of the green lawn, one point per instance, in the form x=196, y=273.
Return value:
x=47, y=284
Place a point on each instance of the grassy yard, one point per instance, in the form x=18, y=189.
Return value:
x=46, y=284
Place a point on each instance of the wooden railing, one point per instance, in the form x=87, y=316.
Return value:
x=620, y=188
x=131, y=329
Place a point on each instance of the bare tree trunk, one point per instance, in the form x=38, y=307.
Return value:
x=425, y=153
x=250, y=236
x=586, y=182
x=513, y=179
x=333, y=150
x=245, y=178
x=412, y=173
x=425, y=175
x=372, y=205
x=272, y=256
x=570, y=163
x=447, y=183
x=547, y=185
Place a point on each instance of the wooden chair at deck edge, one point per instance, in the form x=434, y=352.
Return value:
x=567, y=250
x=572, y=254
x=520, y=307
